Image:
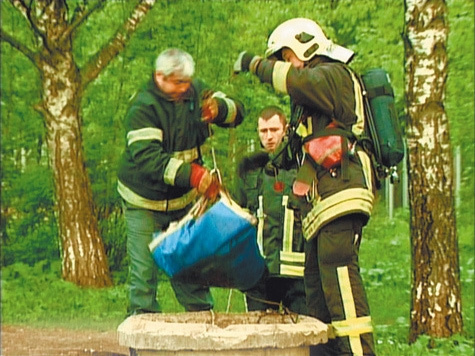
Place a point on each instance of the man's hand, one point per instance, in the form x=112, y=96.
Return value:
x=205, y=183
x=246, y=62
x=213, y=188
x=209, y=109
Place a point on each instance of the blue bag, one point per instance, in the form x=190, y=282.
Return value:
x=218, y=248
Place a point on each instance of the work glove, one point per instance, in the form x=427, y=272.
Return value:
x=209, y=107
x=204, y=181
x=246, y=62
x=255, y=161
x=304, y=179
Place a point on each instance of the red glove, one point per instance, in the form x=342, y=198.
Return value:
x=303, y=180
x=209, y=109
x=205, y=182
x=213, y=189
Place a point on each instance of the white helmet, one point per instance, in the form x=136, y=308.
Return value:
x=306, y=39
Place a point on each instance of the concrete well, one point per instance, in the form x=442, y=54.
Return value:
x=208, y=333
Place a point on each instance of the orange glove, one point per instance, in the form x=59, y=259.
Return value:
x=209, y=109
x=213, y=189
x=205, y=182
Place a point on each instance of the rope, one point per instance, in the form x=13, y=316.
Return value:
x=282, y=308
x=215, y=169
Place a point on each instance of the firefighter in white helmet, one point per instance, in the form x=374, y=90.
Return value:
x=334, y=186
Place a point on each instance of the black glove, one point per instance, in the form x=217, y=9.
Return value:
x=246, y=62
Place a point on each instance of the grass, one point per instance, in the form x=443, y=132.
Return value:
x=385, y=260
x=38, y=297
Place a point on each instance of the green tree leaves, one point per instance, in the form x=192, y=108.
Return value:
x=214, y=32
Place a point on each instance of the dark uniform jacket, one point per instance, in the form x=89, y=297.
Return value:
x=163, y=137
x=326, y=91
x=265, y=191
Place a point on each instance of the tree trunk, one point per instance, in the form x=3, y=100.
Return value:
x=83, y=255
x=84, y=261
x=436, y=298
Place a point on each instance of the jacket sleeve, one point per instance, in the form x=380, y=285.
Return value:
x=325, y=87
x=230, y=110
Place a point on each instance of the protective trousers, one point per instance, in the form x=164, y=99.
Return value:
x=334, y=288
x=143, y=272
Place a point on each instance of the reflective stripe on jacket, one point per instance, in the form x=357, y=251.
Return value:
x=163, y=137
x=279, y=230
x=327, y=92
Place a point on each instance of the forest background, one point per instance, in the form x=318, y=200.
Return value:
x=214, y=32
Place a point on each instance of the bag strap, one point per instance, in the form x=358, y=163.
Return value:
x=198, y=208
x=203, y=203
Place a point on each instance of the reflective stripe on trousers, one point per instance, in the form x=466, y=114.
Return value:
x=291, y=263
x=334, y=288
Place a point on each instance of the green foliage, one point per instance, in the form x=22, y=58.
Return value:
x=394, y=344
x=28, y=228
x=385, y=258
x=207, y=30
x=113, y=232
x=27, y=211
x=460, y=103
x=214, y=32
x=31, y=295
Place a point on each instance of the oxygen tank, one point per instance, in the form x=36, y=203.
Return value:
x=383, y=123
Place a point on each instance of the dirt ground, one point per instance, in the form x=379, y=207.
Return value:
x=26, y=341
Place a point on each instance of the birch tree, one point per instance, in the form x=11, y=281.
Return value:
x=436, y=295
x=53, y=26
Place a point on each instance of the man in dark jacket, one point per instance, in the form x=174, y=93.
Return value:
x=264, y=188
x=161, y=172
x=335, y=176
